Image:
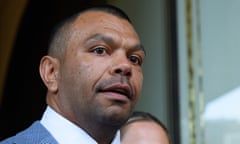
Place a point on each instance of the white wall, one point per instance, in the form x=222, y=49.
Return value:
x=214, y=27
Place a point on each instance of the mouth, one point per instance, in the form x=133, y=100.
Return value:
x=120, y=89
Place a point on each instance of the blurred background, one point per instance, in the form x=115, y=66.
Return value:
x=191, y=72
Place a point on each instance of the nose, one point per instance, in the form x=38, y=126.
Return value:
x=122, y=68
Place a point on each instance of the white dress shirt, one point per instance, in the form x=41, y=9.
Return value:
x=66, y=132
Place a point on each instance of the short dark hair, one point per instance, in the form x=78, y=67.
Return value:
x=61, y=32
x=137, y=116
x=108, y=9
x=144, y=116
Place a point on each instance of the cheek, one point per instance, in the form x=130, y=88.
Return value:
x=138, y=80
x=91, y=71
x=137, y=83
x=75, y=74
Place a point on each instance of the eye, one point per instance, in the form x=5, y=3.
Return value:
x=99, y=50
x=135, y=59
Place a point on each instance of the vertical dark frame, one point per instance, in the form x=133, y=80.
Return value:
x=174, y=100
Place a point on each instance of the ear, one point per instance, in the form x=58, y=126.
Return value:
x=49, y=70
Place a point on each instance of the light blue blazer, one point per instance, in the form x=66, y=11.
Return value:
x=35, y=134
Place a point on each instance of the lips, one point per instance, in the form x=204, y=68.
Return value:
x=122, y=89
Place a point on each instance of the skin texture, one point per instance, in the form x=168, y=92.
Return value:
x=98, y=82
x=143, y=132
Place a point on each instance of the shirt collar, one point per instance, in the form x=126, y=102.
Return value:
x=65, y=131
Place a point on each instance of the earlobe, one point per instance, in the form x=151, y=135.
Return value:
x=49, y=70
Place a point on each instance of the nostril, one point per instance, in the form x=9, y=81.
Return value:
x=128, y=74
x=123, y=69
x=123, y=72
x=118, y=71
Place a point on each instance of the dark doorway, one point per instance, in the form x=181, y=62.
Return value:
x=24, y=92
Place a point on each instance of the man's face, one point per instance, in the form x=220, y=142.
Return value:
x=101, y=74
x=143, y=132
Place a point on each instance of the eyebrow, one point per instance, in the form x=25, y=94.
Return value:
x=108, y=39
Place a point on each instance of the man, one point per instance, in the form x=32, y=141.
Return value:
x=144, y=128
x=93, y=72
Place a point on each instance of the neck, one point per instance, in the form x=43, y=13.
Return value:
x=102, y=134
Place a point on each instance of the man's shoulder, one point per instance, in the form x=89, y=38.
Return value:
x=35, y=134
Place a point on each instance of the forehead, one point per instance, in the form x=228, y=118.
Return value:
x=98, y=21
x=145, y=125
x=144, y=131
x=96, y=15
